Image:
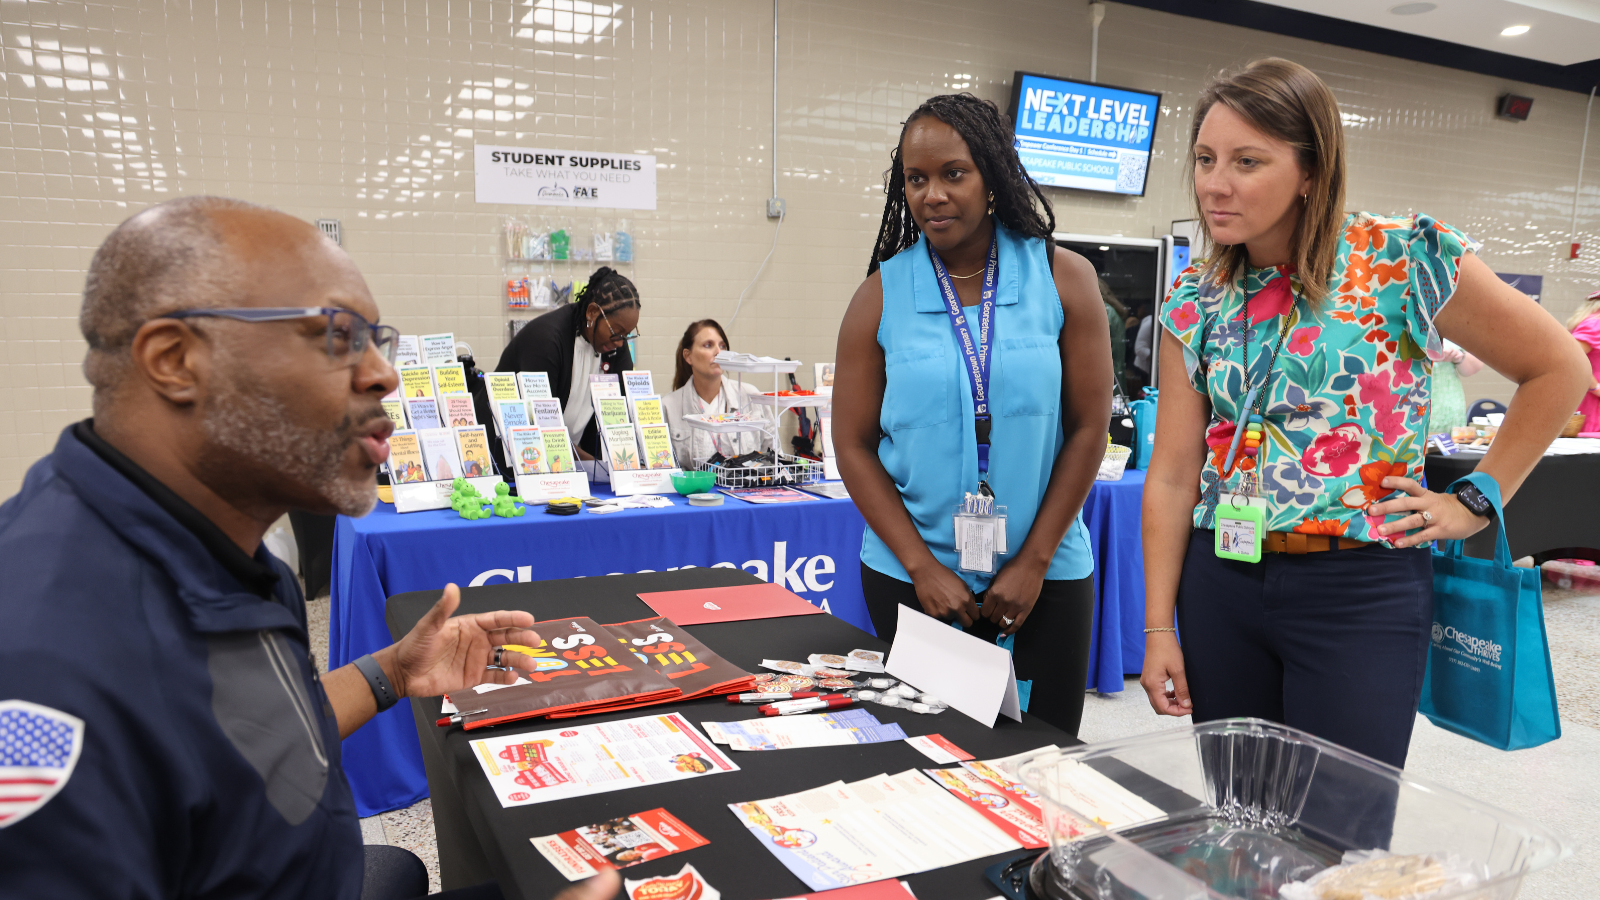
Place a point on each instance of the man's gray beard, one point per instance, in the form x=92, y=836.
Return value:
x=244, y=420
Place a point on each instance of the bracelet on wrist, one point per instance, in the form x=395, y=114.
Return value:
x=1154, y=630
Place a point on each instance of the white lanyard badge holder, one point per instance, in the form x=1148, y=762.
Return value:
x=980, y=525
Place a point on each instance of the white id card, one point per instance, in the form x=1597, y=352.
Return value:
x=979, y=539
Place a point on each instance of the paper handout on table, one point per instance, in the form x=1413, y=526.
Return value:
x=1018, y=817
x=883, y=827
x=1080, y=787
x=617, y=843
x=938, y=749
x=972, y=675
x=851, y=726
x=877, y=890
x=576, y=760
x=688, y=884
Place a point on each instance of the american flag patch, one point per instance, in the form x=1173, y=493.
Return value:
x=39, y=748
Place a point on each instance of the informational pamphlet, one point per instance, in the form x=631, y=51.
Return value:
x=396, y=411
x=511, y=413
x=557, y=450
x=547, y=413
x=441, y=453
x=605, y=386
x=422, y=412
x=687, y=884
x=407, y=351
x=767, y=494
x=638, y=383
x=1101, y=800
x=527, y=450
x=438, y=348
x=647, y=411
x=405, y=458
x=622, y=451
x=611, y=410
x=1017, y=816
x=535, y=385
x=502, y=386
x=474, y=442
x=657, y=443
x=450, y=379
x=416, y=381
x=458, y=410
x=851, y=726
x=884, y=827
x=617, y=843
x=577, y=760
x=938, y=749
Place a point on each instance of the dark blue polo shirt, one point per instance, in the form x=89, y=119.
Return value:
x=209, y=762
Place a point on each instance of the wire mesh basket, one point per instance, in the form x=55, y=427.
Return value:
x=783, y=471
x=1115, y=461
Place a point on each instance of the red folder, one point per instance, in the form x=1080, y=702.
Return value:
x=728, y=604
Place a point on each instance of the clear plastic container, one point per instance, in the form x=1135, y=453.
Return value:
x=1239, y=808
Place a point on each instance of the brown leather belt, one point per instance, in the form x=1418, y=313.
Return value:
x=1295, y=543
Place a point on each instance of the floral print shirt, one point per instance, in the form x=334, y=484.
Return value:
x=1347, y=403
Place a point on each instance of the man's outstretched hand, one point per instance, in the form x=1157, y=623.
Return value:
x=446, y=653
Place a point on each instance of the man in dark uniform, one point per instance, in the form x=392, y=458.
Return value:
x=163, y=731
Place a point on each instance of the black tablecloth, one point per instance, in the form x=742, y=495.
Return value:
x=1553, y=514
x=734, y=863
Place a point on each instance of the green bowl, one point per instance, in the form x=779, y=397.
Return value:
x=694, y=482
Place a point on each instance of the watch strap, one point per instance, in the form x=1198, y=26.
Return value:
x=1474, y=500
x=382, y=691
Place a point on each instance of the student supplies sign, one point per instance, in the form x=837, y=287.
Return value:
x=542, y=177
x=1087, y=136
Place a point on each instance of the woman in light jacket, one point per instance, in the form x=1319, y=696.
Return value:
x=700, y=388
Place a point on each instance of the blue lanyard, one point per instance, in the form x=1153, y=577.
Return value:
x=976, y=352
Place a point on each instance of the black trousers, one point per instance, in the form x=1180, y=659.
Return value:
x=1334, y=643
x=1051, y=648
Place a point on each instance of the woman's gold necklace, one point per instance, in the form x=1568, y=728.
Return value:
x=973, y=275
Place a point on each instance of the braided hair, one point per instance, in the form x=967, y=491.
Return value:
x=607, y=289
x=988, y=134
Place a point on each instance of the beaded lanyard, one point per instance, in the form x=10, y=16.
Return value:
x=1251, y=429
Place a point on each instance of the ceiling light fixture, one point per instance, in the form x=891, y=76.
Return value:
x=1515, y=30
x=1413, y=9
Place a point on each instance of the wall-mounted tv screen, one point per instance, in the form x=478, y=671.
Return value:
x=1092, y=137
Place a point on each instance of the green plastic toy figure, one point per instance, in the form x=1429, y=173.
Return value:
x=466, y=501
x=504, y=506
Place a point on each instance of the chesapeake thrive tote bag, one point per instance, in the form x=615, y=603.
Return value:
x=1488, y=674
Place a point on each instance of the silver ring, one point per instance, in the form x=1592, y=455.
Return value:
x=1006, y=622
x=1427, y=516
x=497, y=653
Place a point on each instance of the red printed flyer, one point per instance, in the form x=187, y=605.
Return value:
x=1018, y=818
x=617, y=844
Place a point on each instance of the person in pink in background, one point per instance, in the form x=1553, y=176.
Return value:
x=1585, y=326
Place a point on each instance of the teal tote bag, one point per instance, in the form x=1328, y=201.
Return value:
x=1488, y=674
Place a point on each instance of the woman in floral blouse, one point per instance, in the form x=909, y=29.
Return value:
x=1327, y=324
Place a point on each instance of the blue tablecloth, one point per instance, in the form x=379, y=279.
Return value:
x=1112, y=517
x=813, y=547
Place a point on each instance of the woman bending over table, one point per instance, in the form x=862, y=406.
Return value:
x=1307, y=343
x=1585, y=328
x=974, y=369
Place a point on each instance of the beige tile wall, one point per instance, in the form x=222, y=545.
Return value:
x=366, y=111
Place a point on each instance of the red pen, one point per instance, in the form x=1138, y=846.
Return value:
x=815, y=703
x=768, y=698
x=785, y=704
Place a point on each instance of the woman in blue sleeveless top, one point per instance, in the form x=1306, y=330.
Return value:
x=924, y=416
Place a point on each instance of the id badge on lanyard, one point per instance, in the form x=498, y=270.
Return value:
x=1241, y=521
x=980, y=525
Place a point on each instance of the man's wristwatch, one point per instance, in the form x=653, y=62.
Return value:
x=1474, y=500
